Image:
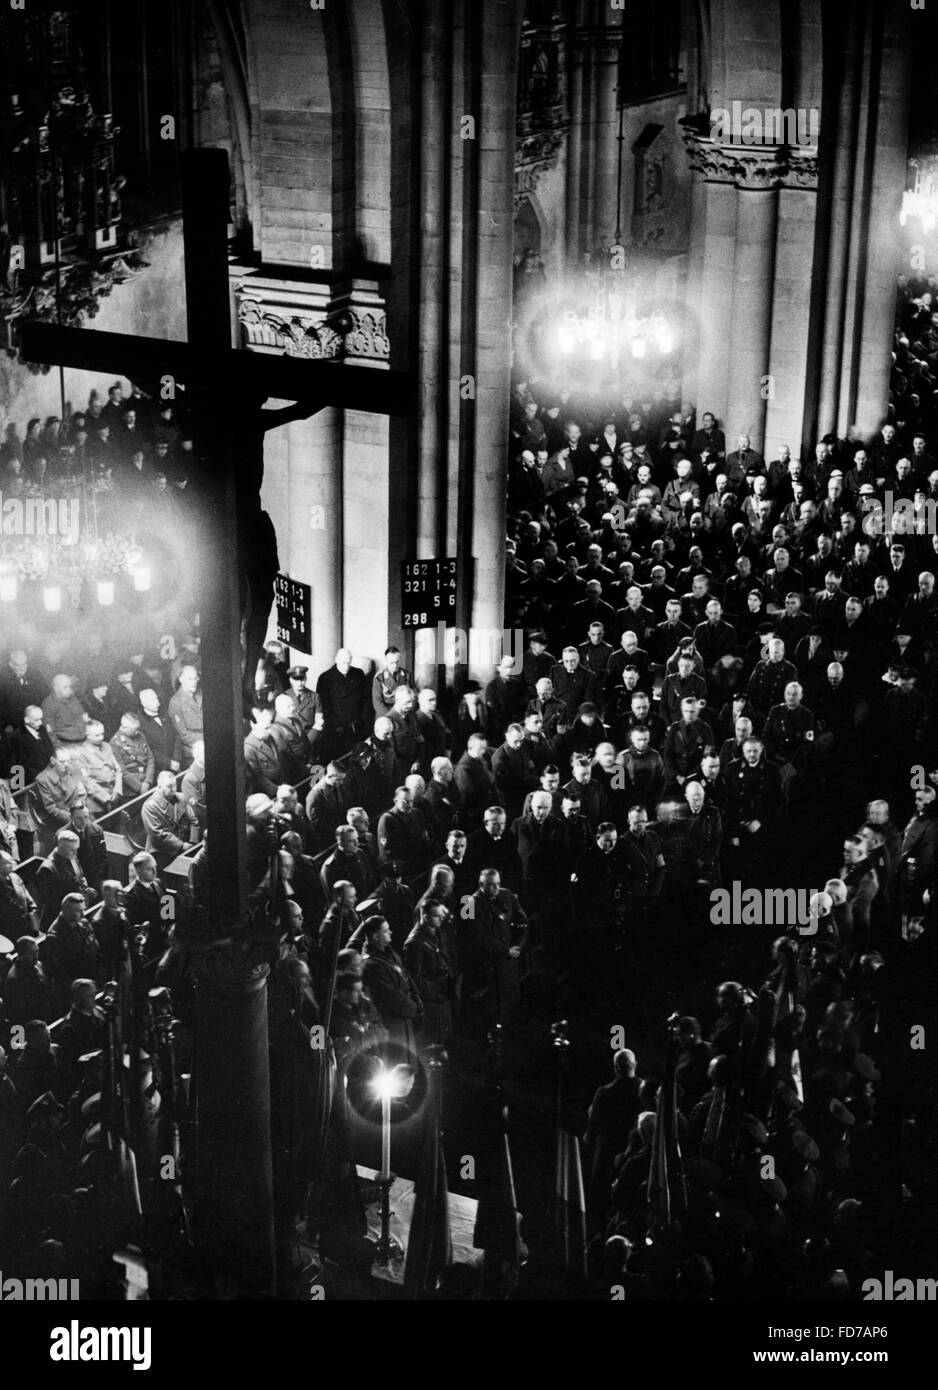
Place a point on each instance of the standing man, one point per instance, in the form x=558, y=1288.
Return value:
x=493, y=934
x=346, y=704
x=185, y=710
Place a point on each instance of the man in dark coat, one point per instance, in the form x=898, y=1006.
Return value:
x=474, y=782
x=491, y=847
x=92, y=848
x=610, y=1120
x=390, y=986
x=540, y=843
x=59, y=875
x=493, y=931
x=426, y=962
x=346, y=704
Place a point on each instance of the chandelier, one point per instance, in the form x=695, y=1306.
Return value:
x=57, y=546
x=612, y=326
x=921, y=200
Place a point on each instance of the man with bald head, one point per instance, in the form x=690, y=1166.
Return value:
x=19, y=687
x=58, y=875
x=789, y=732
x=540, y=842
x=166, y=818
x=345, y=694
x=64, y=713
x=610, y=1120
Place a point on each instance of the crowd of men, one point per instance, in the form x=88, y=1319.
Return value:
x=711, y=641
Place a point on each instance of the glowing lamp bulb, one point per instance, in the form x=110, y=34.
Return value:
x=105, y=592
x=142, y=578
x=566, y=341
x=52, y=598
x=665, y=342
x=393, y=1083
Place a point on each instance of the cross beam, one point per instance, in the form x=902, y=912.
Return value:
x=219, y=381
x=314, y=384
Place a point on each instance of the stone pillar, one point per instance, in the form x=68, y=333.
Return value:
x=841, y=215
x=889, y=95
x=747, y=343
x=574, y=155
x=606, y=133
x=754, y=268
x=869, y=148
x=460, y=295
x=787, y=403
x=233, y=1219
x=306, y=504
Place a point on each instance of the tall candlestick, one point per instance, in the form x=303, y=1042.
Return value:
x=385, y=1136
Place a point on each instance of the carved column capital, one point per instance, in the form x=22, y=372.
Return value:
x=313, y=320
x=747, y=166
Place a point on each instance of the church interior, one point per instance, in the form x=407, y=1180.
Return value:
x=468, y=615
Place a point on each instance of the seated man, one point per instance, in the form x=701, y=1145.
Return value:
x=167, y=821
x=56, y=788
x=100, y=772
x=134, y=755
x=64, y=713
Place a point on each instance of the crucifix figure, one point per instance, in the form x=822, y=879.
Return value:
x=232, y=1077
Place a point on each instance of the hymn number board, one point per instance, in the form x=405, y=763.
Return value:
x=428, y=592
x=294, y=612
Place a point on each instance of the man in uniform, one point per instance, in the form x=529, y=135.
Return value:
x=134, y=755
x=185, y=710
x=262, y=766
x=100, y=772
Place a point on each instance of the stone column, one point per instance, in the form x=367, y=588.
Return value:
x=306, y=504
x=869, y=162
x=747, y=343
x=233, y=1219
x=889, y=95
x=606, y=137
x=792, y=306
x=574, y=155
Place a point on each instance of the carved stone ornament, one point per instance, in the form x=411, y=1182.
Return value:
x=303, y=321
x=748, y=166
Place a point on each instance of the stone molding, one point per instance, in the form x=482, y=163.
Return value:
x=315, y=320
x=750, y=167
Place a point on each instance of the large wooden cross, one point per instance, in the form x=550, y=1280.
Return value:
x=218, y=379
